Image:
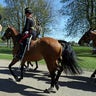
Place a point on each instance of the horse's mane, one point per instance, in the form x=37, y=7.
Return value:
x=18, y=35
x=14, y=30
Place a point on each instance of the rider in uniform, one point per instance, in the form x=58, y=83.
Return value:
x=28, y=30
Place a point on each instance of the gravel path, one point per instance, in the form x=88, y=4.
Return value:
x=34, y=83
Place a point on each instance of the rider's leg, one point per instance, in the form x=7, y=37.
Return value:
x=34, y=34
x=22, y=47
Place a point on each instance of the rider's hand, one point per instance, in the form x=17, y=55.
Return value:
x=26, y=32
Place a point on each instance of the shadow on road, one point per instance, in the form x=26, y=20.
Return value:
x=80, y=83
x=74, y=82
x=10, y=86
x=7, y=85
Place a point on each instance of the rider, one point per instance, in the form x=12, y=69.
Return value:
x=27, y=31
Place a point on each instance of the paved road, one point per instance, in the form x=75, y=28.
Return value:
x=34, y=83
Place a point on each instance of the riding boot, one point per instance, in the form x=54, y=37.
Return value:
x=21, y=51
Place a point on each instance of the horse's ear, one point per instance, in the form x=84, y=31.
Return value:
x=93, y=32
x=0, y=27
x=8, y=26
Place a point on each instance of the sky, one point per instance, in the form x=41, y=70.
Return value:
x=2, y=2
x=58, y=31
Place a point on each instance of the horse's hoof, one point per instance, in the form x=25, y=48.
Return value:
x=27, y=69
x=16, y=78
x=57, y=86
x=92, y=76
x=35, y=68
x=10, y=79
x=46, y=91
x=49, y=90
x=19, y=79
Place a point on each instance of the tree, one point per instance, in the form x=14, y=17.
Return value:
x=14, y=12
x=82, y=15
x=1, y=15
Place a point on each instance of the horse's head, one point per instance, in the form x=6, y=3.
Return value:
x=86, y=38
x=9, y=32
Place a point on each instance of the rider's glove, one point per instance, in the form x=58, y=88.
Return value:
x=26, y=32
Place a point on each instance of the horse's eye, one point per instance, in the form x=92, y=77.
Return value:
x=9, y=33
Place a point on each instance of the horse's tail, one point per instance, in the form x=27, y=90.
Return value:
x=69, y=60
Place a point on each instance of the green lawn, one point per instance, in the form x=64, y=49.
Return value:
x=88, y=63
x=6, y=56
x=84, y=56
x=5, y=50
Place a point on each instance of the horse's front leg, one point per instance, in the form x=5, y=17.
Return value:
x=22, y=71
x=36, y=66
x=10, y=68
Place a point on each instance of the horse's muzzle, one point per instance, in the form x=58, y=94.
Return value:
x=3, y=38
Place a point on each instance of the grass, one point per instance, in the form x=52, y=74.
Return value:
x=5, y=53
x=5, y=50
x=87, y=63
x=84, y=55
x=6, y=56
x=83, y=50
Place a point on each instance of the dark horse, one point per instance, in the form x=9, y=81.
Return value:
x=86, y=38
x=57, y=58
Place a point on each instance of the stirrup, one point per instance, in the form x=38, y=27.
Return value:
x=24, y=52
x=29, y=42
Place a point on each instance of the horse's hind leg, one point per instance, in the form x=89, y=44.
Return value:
x=52, y=66
x=36, y=65
x=59, y=71
x=27, y=65
x=93, y=74
x=50, y=89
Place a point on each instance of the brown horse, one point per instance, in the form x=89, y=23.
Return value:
x=86, y=38
x=7, y=37
x=57, y=58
